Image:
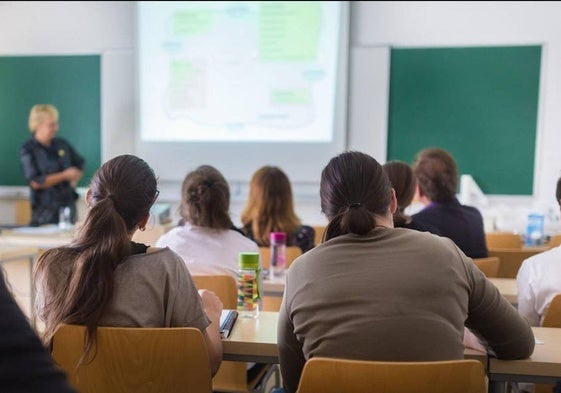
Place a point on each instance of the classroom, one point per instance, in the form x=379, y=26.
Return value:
x=481, y=80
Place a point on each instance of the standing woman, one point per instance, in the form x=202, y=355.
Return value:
x=104, y=279
x=51, y=166
x=270, y=208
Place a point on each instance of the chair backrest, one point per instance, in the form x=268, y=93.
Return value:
x=135, y=360
x=511, y=259
x=503, y=240
x=489, y=266
x=23, y=212
x=555, y=240
x=319, y=230
x=292, y=252
x=352, y=376
x=552, y=317
x=223, y=285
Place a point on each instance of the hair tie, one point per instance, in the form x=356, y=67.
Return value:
x=356, y=204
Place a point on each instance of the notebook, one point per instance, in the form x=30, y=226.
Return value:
x=227, y=321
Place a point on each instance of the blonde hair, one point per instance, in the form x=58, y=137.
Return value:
x=270, y=207
x=38, y=114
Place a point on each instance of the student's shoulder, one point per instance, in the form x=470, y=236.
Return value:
x=423, y=214
x=173, y=233
x=471, y=210
x=157, y=257
x=542, y=259
x=425, y=243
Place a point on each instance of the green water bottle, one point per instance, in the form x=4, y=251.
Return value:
x=248, y=284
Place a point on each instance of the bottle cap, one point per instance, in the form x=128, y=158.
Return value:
x=278, y=236
x=248, y=260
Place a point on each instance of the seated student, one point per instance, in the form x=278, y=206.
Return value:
x=270, y=208
x=26, y=364
x=207, y=241
x=374, y=292
x=437, y=178
x=539, y=280
x=104, y=279
x=404, y=184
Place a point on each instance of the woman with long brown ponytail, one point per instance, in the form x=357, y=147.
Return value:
x=104, y=279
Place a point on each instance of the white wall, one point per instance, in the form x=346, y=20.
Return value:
x=108, y=28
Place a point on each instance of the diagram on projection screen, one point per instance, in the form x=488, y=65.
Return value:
x=238, y=71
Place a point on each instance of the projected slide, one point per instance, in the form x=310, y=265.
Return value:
x=238, y=71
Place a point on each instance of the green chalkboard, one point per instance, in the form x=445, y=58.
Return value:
x=479, y=103
x=72, y=84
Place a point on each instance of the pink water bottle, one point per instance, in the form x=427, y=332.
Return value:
x=278, y=254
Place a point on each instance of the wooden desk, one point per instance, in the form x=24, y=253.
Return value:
x=41, y=237
x=13, y=253
x=507, y=287
x=544, y=366
x=255, y=340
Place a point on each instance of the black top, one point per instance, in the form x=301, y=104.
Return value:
x=303, y=237
x=138, y=248
x=38, y=161
x=462, y=224
x=25, y=365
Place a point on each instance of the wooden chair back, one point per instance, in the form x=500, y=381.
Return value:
x=552, y=317
x=292, y=252
x=352, y=376
x=511, y=259
x=23, y=212
x=135, y=360
x=223, y=285
x=489, y=266
x=231, y=376
x=503, y=240
x=555, y=240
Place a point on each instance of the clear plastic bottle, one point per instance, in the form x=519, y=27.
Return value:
x=535, y=230
x=278, y=255
x=248, y=284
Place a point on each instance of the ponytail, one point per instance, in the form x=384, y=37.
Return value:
x=355, y=219
x=96, y=252
x=206, y=199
